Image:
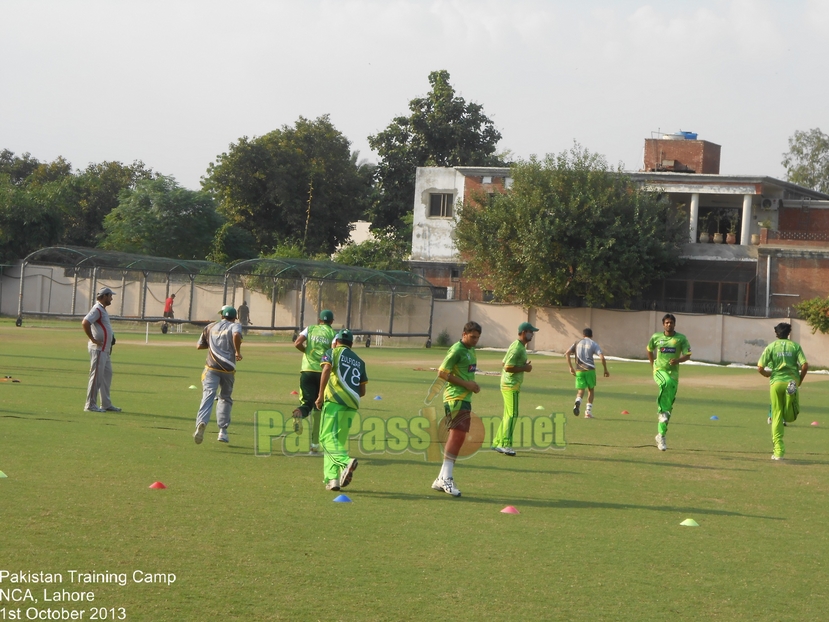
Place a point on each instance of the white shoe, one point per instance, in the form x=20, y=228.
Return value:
x=507, y=451
x=791, y=389
x=776, y=457
x=661, y=445
x=198, y=435
x=316, y=450
x=114, y=409
x=333, y=484
x=222, y=438
x=94, y=409
x=347, y=473
x=447, y=485
x=589, y=416
x=769, y=421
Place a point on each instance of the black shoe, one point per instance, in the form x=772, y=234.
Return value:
x=576, y=408
x=297, y=421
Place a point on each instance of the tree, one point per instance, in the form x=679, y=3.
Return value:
x=815, y=312
x=161, y=218
x=26, y=223
x=385, y=251
x=296, y=185
x=442, y=130
x=807, y=161
x=570, y=229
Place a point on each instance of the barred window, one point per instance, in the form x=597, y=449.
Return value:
x=440, y=205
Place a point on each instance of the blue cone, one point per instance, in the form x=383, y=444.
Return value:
x=715, y=418
x=377, y=397
x=342, y=499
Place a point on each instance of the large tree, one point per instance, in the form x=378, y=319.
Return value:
x=161, y=218
x=570, y=229
x=441, y=130
x=807, y=160
x=384, y=251
x=297, y=185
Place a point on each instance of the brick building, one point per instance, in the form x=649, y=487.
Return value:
x=731, y=263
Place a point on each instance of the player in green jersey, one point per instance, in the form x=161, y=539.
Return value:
x=313, y=342
x=342, y=384
x=512, y=376
x=785, y=365
x=666, y=350
x=458, y=370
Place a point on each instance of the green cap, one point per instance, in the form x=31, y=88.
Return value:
x=345, y=336
x=525, y=326
x=228, y=312
x=326, y=315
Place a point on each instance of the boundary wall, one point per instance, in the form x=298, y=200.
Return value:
x=714, y=338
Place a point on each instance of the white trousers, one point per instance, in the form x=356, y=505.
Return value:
x=213, y=381
x=100, y=377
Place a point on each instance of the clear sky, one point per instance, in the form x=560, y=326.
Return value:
x=173, y=83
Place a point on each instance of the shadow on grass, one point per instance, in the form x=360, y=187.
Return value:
x=577, y=504
x=373, y=461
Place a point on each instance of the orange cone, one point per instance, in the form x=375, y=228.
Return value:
x=157, y=485
x=510, y=509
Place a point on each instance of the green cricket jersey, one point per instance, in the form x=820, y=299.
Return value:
x=348, y=372
x=784, y=357
x=666, y=348
x=516, y=357
x=317, y=340
x=460, y=361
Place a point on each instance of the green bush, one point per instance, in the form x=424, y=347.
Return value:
x=816, y=314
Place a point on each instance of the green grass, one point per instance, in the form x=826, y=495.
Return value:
x=255, y=538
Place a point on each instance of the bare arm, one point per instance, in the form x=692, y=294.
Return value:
x=469, y=385
x=299, y=344
x=650, y=357
x=362, y=390
x=763, y=371
x=514, y=369
x=803, y=371
x=681, y=359
x=326, y=374
x=87, y=328
x=568, y=354
x=604, y=364
x=237, y=345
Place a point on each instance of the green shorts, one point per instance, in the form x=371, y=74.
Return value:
x=586, y=379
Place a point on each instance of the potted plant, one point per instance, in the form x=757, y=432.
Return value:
x=763, y=224
x=733, y=219
x=705, y=225
x=717, y=216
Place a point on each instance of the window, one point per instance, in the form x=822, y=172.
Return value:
x=440, y=205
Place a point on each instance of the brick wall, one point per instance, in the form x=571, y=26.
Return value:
x=698, y=156
x=795, y=275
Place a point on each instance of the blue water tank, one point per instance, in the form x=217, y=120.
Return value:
x=688, y=135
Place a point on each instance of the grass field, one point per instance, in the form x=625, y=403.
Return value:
x=259, y=538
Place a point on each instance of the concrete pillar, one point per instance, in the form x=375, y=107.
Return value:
x=694, y=218
x=745, y=230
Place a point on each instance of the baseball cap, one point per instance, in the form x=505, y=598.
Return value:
x=228, y=312
x=525, y=326
x=104, y=291
x=345, y=336
x=326, y=315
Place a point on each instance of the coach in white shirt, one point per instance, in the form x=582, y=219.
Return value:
x=97, y=327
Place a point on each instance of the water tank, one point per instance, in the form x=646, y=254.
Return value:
x=688, y=135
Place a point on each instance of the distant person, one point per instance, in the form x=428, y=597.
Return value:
x=585, y=370
x=223, y=341
x=98, y=329
x=458, y=370
x=168, y=306
x=244, y=316
x=666, y=350
x=342, y=384
x=512, y=376
x=313, y=342
x=787, y=367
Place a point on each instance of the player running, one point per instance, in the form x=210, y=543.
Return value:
x=585, y=370
x=787, y=367
x=342, y=384
x=458, y=370
x=313, y=342
x=666, y=350
x=223, y=341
